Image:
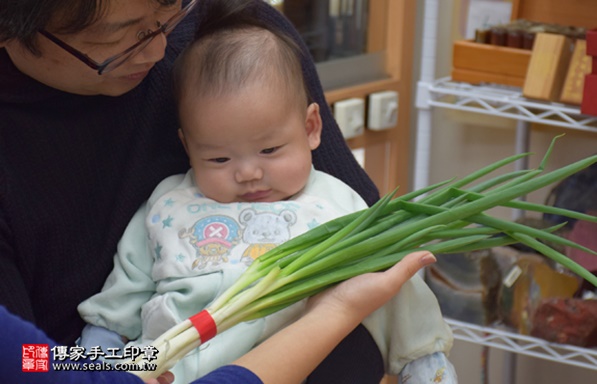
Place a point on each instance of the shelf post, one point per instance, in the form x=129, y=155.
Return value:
x=523, y=134
x=424, y=119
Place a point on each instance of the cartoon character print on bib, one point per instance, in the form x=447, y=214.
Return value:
x=212, y=238
x=264, y=231
x=191, y=235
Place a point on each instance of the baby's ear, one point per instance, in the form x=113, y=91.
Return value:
x=313, y=125
x=183, y=140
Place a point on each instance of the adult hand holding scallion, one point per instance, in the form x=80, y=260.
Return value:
x=448, y=217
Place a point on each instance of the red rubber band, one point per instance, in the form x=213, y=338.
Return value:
x=205, y=325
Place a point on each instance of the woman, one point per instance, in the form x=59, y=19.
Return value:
x=88, y=129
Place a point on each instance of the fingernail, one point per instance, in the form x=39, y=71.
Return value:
x=427, y=259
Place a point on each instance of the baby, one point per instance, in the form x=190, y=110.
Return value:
x=248, y=127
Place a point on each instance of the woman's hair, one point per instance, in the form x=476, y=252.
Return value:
x=233, y=49
x=22, y=19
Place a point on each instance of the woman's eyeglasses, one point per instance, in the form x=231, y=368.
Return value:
x=145, y=38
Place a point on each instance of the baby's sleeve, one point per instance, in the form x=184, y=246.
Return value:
x=130, y=284
x=409, y=326
x=118, y=306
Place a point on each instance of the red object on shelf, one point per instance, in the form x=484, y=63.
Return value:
x=592, y=42
x=589, y=95
x=583, y=233
x=568, y=321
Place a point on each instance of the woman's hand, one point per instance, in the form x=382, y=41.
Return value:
x=361, y=295
x=164, y=378
x=291, y=354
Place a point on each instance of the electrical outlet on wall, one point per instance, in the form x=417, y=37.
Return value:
x=350, y=116
x=383, y=110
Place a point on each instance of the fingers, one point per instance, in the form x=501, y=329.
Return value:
x=374, y=289
x=166, y=378
x=410, y=265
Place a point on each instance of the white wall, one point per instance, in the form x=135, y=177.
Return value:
x=462, y=142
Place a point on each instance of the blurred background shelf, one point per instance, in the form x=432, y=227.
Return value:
x=505, y=102
x=435, y=92
x=524, y=345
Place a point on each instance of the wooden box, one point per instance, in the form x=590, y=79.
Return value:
x=548, y=66
x=484, y=63
x=478, y=63
x=580, y=66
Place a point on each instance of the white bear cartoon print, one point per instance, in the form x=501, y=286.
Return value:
x=264, y=231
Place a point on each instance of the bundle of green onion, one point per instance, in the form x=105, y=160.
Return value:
x=445, y=218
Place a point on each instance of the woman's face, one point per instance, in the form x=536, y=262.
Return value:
x=112, y=34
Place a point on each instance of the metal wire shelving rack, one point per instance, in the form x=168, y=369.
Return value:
x=524, y=345
x=506, y=102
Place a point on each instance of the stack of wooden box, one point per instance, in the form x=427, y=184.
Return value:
x=557, y=69
x=485, y=63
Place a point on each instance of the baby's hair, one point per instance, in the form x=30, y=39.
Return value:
x=233, y=49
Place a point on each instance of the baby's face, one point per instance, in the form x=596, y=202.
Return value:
x=252, y=146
